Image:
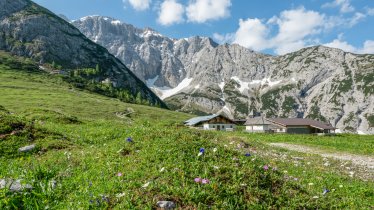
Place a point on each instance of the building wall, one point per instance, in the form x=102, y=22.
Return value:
x=256, y=128
x=299, y=129
x=207, y=126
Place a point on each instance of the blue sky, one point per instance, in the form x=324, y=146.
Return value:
x=270, y=26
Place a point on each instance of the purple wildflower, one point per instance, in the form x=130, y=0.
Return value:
x=325, y=191
x=129, y=139
x=197, y=179
x=202, y=150
x=119, y=174
x=247, y=154
x=266, y=167
x=205, y=181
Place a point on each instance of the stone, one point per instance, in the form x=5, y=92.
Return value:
x=14, y=185
x=166, y=204
x=27, y=148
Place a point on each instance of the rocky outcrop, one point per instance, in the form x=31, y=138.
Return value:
x=197, y=75
x=28, y=30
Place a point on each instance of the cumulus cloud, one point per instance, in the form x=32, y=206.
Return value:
x=139, y=4
x=171, y=12
x=367, y=48
x=223, y=38
x=294, y=30
x=252, y=34
x=344, y=5
x=294, y=26
x=201, y=11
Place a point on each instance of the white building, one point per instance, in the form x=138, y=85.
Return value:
x=258, y=125
x=211, y=122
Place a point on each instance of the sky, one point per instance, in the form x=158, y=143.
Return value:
x=269, y=26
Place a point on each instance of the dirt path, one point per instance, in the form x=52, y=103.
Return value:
x=357, y=160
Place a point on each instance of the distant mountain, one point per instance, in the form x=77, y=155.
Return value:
x=198, y=75
x=28, y=30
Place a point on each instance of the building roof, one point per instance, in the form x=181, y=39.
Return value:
x=257, y=121
x=301, y=121
x=197, y=120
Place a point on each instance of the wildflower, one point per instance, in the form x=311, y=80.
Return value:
x=202, y=150
x=325, y=191
x=275, y=169
x=247, y=154
x=119, y=174
x=200, y=153
x=197, y=179
x=341, y=186
x=205, y=181
x=295, y=179
x=215, y=150
x=129, y=139
x=310, y=184
x=315, y=197
x=266, y=167
x=162, y=169
x=215, y=167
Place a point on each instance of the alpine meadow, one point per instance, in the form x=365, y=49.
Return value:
x=101, y=124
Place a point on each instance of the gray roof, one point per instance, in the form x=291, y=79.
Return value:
x=197, y=120
x=301, y=121
x=257, y=121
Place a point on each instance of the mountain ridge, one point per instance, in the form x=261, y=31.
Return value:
x=197, y=75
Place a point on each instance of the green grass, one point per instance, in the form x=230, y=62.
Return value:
x=348, y=143
x=81, y=142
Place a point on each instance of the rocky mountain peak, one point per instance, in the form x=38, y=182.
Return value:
x=198, y=75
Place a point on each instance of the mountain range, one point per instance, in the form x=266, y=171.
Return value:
x=200, y=76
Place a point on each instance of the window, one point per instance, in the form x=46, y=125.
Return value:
x=280, y=129
x=214, y=126
x=230, y=126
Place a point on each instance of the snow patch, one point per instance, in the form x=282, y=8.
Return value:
x=243, y=85
x=197, y=86
x=361, y=132
x=167, y=91
x=148, y=33
x=116, y=22
x=265, y=81
x=221, y=85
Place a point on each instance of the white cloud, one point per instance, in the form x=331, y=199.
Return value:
x=294, y=27
x=356, y=18
x=252, y=34
x=343, y=45
x=139, y=4
x=171, y=12
x=367, y=48
x=201, y=11
x=344, y=5
x=223, y=38
x=370, y=11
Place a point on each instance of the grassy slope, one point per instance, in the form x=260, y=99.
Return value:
x=81, y=144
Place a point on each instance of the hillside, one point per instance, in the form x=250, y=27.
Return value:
x=31, y=31
x=199, y=76
x=96, y=152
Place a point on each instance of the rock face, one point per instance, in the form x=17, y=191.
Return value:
x=28, y=30
x=197, y=75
